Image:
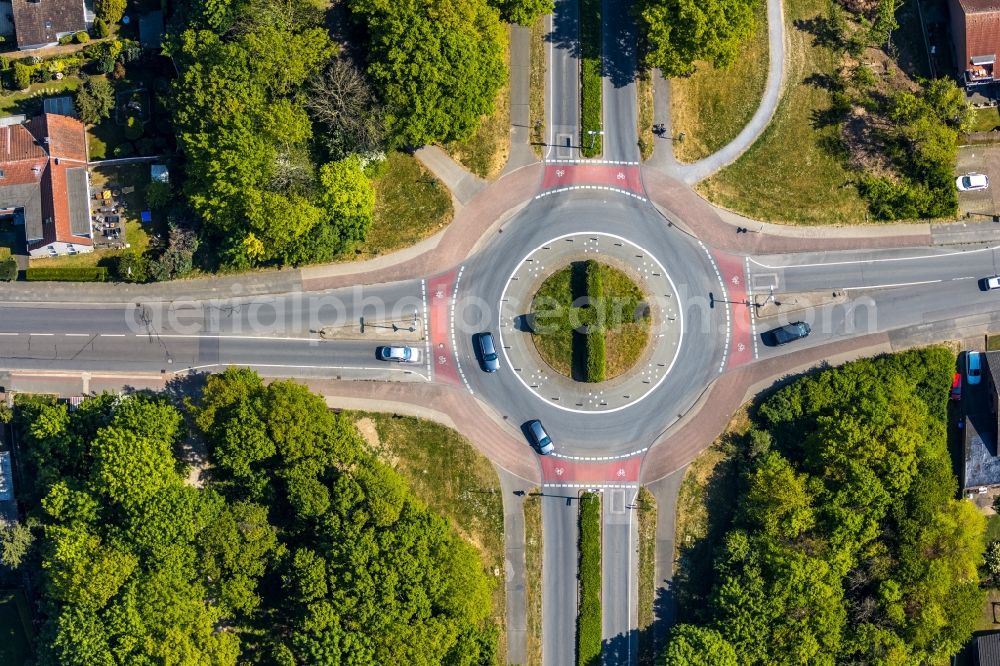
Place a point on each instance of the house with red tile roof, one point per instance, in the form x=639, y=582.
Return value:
x=975, y=30
x=44, y=183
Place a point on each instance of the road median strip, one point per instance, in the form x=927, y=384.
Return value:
x=588, y=628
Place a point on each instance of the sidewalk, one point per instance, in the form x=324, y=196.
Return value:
x=717, y=227
x=521, y=153
x=665, y=491
x=462, y=184
x=663, y=157
x=514, y=565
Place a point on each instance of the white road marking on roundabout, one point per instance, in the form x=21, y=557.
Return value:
x=725, y=296
x=752, y=308
x=942, y=255
x=603, y=188
x=454, y=347
x=427, y=324
x=620, y=456
x=663, y=273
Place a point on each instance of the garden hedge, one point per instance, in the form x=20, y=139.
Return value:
x=588, y=627
x=596, y=356
x=78, y=274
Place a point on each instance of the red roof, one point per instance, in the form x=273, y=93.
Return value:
x=40, y=151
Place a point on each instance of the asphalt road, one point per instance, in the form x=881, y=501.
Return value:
x=619, y=91
x=559, y=570
x=619, y=563
x=564, y=82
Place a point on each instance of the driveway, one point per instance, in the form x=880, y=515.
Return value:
x=980, y=159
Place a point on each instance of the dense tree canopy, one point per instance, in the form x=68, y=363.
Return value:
x=847, y=545
x=678, y=32
x=300, y=548
x=438, y=64
x=239, y=109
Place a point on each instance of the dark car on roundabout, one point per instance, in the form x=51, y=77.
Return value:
x=486, y=350
x=538, y=437
x=785, y=334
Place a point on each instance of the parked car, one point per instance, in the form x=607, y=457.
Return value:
x=956, y=387
x=990, y=283
x=399, y=354
x=539, y=438
x=972, y=181
x=785, y=334
x=487, y=352
x=973, y=367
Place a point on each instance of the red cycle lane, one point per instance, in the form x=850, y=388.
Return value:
x=440, y=289
x=558, y=176
x=556, y=470
x=733, y=272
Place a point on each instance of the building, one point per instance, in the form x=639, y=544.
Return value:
x=44, y=183
x=975, y=30
x=986, y=649
x=40, y=23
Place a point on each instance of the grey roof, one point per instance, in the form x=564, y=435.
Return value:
x=987, y=649
x=28, y=197
x=981, y=465
x=78, y=195
x=60, y=105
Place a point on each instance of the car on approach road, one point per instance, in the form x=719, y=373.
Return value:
x=990, y=283
x=972, y=181
x=539, y=438
x=973, y=367
x=785, y=334
x=399, y=354
x=956, y=387
x=487, y=351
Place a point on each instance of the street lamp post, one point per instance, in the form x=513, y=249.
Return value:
x=593, y=136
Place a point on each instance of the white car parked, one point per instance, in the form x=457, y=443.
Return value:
x=972, y=181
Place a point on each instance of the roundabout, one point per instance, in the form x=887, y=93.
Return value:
x=538, y=376
x=687, y=332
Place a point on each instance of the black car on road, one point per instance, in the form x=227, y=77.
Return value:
x=785, y=334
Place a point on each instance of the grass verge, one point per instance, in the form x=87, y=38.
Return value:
x=588, y=623
x=454, y=479
x=533, y=574
x=647, y=576
x=985, y=120
x=591, y=114
x=644, y=90
x=410, y=205
x=486, y=153
x=712, y=106
x=571, y=354
x=789, y=174
x=15, y=628
x=536, y=89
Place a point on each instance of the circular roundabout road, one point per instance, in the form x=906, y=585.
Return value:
x=692, y=347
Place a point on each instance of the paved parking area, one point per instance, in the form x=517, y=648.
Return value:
x=980, y=159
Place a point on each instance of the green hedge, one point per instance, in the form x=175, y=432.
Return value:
x=8, y=269
x=595, y=281
x=596, y=357
x=81, y=274
x=590, y=77
x=588, y=627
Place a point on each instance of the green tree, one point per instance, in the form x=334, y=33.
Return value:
x=691, y=645
x=95, y=100
x=438, y=63
x=110, y=11
x=15, y=542
x=348, y=198
x=22, y=75
x=678, y=32
x=523, y=12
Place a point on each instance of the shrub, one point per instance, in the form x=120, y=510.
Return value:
x=22, y=75
x=596, y=357
x=132, y=267
x=44, y=75
x=77, y=274
x=4, y=63
x=111, y=11
x=124, y=150
x=158, y=194
x=588, y=630
x=82, y=37
x=101, y=28
x=118, y=73
x=133, y=128
x=8, y=269
x=595, y=281
x=66, y=39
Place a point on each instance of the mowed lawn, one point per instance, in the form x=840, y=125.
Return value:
x=712, y=106
x=788, y=175
x=410, y=205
